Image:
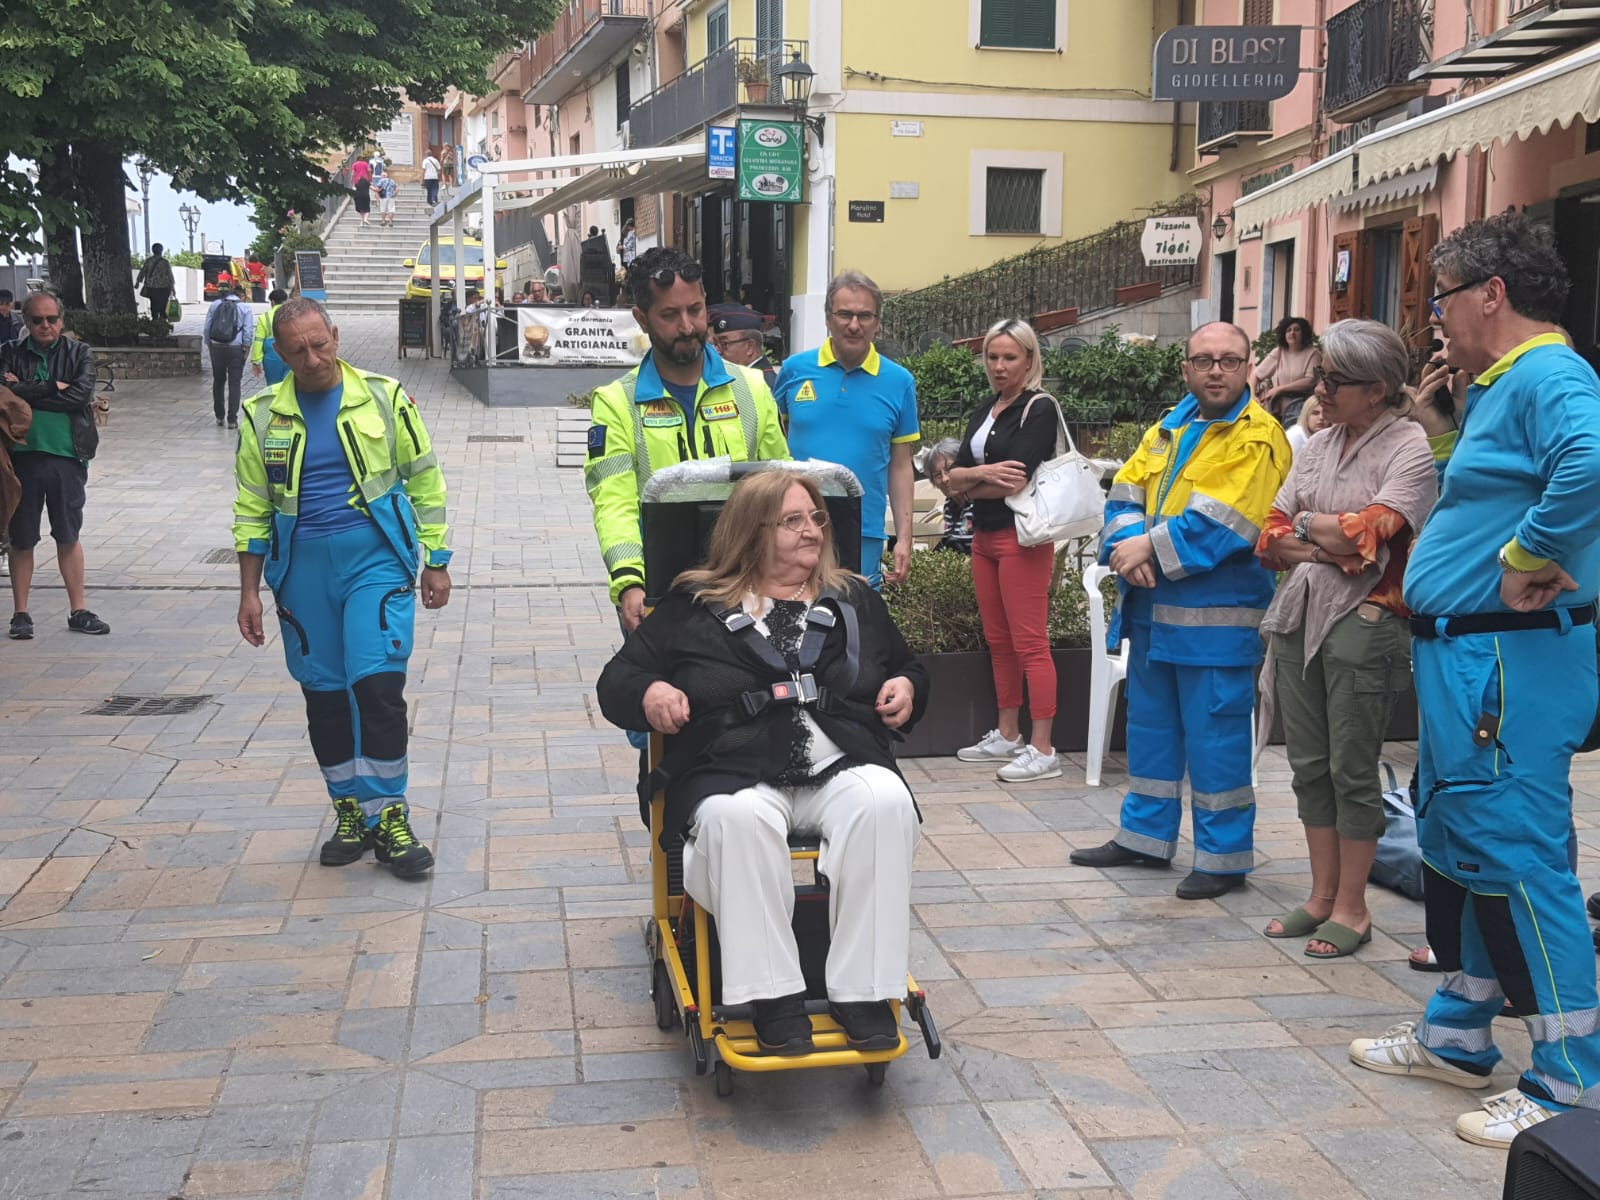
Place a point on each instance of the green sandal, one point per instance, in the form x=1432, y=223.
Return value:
x=1295, y=924
x=1346, y=941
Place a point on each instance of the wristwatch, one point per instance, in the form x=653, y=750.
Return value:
x=1505, y=565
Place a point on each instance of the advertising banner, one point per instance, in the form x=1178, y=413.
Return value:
x=1171, y=241
x=771, y=162
x=1219, y=63
x=579, y=337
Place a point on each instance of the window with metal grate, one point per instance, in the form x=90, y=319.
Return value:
x=1013, y=200
x=1018, y=24
x=1257, y=12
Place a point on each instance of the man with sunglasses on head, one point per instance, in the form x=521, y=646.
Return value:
x=683, y=402
x=1501, y=585
x=1182, y=521
x=55, y=375
x=845, y=403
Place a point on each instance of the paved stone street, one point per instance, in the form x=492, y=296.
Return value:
x=191, y=1007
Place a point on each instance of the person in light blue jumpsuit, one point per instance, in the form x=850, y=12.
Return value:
x=1182, y=521
x=1502, y=586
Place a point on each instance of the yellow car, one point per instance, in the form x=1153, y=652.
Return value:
x=420, y=285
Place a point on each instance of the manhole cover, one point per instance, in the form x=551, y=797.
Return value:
x=494, y=437
x=145, y=706
x=226, y=555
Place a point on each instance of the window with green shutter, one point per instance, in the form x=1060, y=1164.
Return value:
x=1018, y=24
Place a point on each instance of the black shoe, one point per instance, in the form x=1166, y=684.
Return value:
x=232, y=424
x=84, y=621
x=351, y=839
x=21, y=627
x=868, y=1025
x=1113, y=855
x=219, y=422
x=1592, y=904
x=395, y=844
x=782, y=1026
x=1198, y=885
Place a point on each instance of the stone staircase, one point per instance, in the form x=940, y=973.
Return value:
x=362, y=267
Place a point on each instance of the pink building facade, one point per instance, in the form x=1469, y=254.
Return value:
x=1410, y=118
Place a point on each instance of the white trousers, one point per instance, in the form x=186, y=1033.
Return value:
x=736, y=865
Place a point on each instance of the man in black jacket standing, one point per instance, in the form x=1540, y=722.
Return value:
x=55, y=375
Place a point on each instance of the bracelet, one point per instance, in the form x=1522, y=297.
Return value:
x=1302, y=526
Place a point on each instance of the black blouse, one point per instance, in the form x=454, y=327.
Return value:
x=1010, y=441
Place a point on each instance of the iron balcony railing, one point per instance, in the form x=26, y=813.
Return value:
x=1225, y=122
x=572, y=26
x=1374, y=45
x=710, y=88
x=1521, y=8
x=1083, y=274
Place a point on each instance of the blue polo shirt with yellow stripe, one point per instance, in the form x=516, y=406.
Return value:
x=851, y=417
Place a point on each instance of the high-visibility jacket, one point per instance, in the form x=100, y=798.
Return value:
x=1202, y=501
x=638, y=428
x=263, y=334
x=391, y=457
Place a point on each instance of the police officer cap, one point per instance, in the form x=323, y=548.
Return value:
x=735, y=318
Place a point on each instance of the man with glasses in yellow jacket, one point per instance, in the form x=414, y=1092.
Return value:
x=340, y=502
x=1182, y=521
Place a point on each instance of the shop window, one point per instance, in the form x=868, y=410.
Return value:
x=1014, y=201
x=1384, y=249
x=1018, y=24
x=1277, y=294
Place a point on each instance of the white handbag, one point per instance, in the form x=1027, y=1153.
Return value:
x=1063, y=500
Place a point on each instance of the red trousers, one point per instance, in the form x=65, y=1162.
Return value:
x=1013, y=586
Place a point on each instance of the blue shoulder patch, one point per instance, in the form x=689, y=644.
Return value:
x=597, y=440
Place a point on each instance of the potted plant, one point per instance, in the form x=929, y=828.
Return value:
x=756, y=79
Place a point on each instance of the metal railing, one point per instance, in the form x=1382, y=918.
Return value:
x=1521, y=8
x=1374, y=45
x=570, y=28
x=1219, y=121
x=710, y=88
x=1083, y=274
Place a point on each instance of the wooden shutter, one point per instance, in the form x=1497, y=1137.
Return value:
x=1416, y=241
x=1257, y=12
x=1024, y=24
x=1345, y=298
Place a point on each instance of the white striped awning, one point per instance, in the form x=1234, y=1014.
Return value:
x=1329, y=178
x=1412, y=183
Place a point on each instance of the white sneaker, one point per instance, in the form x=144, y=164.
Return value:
x=1030, y=765
x=1398, y=1052
x=995, y=745
x=1501, y=1118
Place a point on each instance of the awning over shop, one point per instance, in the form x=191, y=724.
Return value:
x=1554, y=94
x=1412, y=183
x=1536, y=30
x=1329, y=178
x=683, y=172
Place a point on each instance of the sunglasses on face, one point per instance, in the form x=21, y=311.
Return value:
x=1433, y=301
x=55, y=320
x=796, y=522
x=1332, y=383
x=1204, y=362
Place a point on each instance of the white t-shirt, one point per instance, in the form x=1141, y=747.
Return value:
x=980, y=437
x=430, y=167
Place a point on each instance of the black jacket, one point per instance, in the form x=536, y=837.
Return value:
x=722, y=750
x=69, y=361
x=1009, y=441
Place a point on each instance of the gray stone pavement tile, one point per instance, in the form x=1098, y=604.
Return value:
x=346, y=1171
x=1168, y=1169
x=433, y=1168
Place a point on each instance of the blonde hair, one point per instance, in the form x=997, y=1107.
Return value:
x=1310, y=409
x=1022, y=333
x=741, y=544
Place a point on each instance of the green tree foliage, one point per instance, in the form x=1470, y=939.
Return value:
x=233, y=100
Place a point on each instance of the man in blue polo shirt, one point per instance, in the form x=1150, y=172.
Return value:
x=845, y=403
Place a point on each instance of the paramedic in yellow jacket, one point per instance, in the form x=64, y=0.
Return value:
x=683, y=402
x=1182, y=521
x=340, y=503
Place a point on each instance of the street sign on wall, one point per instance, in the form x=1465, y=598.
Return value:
x=1227, y=62
x=771, y=161
x=721, y=143
x=1171, y=241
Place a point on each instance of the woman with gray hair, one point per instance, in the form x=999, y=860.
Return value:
x=937, y=460
x=1342, y=526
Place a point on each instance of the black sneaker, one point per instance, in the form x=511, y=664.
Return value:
x=21, y=627
x=351, y=838
x=84, y=621
x=782, y=1026
x=232, y=424
x=868, y=1025
x=219, y=422
x=395, y=844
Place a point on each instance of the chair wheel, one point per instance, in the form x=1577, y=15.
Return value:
x=661, y=993
x=724, y=1075
x=876, y=1073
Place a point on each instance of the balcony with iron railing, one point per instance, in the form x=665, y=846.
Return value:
x=710, y=88
x=585, y=37
x=1227, y=123
x=1373, y=48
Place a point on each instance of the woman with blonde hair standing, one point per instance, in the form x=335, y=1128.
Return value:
x=1007, y=438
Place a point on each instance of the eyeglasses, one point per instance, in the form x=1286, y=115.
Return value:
x=55, y=320
x=845, y=316
x=1204, y=362
x=1433, y=301
x=796, y=522
x=664, y=278
x=1332, y=383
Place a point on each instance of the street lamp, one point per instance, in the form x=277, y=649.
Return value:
x=795, y=76
x=190, y=213
x=146, y=170
x=1219, y=227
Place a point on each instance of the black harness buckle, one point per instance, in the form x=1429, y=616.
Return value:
x=800, y=689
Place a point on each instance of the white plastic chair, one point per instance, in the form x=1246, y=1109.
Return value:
x=1106, y=674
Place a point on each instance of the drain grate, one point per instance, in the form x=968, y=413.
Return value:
x=145, y=706
x=495, y=437
x=225, y=555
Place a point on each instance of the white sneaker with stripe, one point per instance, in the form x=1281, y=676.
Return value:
x=1398, y=1052
x=1501, y=1118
